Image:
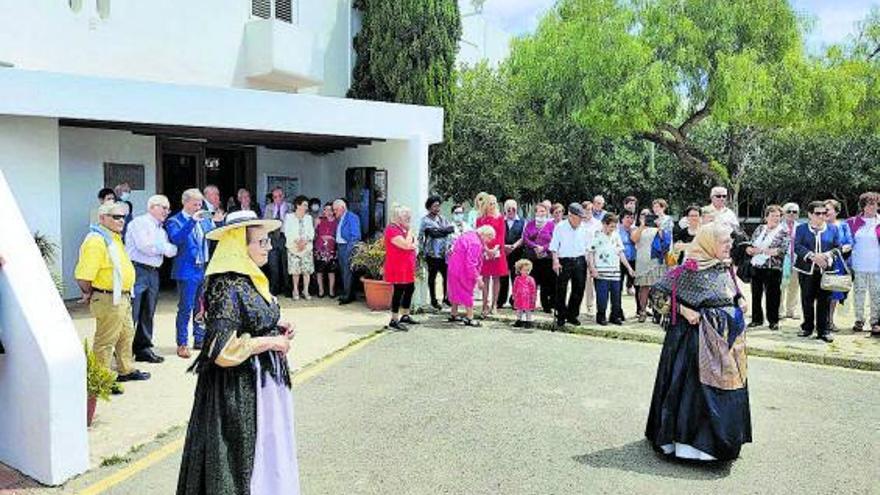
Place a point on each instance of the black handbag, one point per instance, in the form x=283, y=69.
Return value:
x=745, y=270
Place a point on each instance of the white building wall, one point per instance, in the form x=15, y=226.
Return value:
x=83, y=153
x=190, y=42
x=29, y=159
x=318, y=178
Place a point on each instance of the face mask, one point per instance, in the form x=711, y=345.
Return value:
x=316, y=208
x=124, y=196
x=458, y=217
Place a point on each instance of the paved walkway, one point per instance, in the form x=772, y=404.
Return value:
x=447, y=409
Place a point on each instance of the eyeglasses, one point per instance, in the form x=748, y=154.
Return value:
x=792, y=212
x=819, y=213
x=720, y=196
x=117, y=217
x=265, y=242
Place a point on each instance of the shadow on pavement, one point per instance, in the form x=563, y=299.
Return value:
x=639, y=457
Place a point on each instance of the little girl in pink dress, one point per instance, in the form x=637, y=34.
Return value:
x=525, y=293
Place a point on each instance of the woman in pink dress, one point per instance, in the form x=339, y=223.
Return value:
x=464, y=262
x=325, y=251
x=495, y=264
x=400, y=266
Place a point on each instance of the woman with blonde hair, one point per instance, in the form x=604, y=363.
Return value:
x=400, y=266
x=495, y=264
x=478, y=207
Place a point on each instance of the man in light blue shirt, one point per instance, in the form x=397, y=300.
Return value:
x=147, y=245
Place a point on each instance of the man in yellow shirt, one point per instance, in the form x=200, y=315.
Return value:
x=106, y=276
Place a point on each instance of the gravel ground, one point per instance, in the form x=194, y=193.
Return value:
x=497, y=411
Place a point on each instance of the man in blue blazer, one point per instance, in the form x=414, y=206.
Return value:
x=187, y=230
x=348, y=232
x=815, y=245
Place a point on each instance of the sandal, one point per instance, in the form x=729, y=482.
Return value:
x=470, y=323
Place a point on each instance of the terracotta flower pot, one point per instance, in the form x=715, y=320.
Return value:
x=90, y=409
x=378, y=294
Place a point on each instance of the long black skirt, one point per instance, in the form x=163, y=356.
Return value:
x=687, y=414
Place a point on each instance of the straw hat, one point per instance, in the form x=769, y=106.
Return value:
x=242, y=219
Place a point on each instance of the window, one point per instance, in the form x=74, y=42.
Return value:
x=283, y=10
x=261, y=8
x=75, y=5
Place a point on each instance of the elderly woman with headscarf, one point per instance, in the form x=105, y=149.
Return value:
x=464, y=266
x=240, y=437
x=700, y=406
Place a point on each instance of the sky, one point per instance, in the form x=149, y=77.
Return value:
x=834, y=18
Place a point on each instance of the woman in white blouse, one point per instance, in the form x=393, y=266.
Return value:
x=300, y=232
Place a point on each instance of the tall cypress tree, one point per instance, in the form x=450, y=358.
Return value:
x=406, y=52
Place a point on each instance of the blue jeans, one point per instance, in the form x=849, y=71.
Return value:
x=344, y=253
x=143, y=307
x=606, y=289
x=188, y=294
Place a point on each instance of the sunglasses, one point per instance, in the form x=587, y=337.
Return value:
x=819, y=213
x=792, y=212
x=721, y=196
x=117, y=217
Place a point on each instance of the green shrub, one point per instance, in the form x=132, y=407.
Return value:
x=99, y=380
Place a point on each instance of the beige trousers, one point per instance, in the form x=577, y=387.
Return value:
x=114, y=331
x=791, y=297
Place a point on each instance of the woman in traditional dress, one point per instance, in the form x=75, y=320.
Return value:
x=464, y=264
x=495, y=264
x=700, y=406
x=400, y=266
x=240, y=438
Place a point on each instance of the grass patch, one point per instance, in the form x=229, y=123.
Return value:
x=115, y=460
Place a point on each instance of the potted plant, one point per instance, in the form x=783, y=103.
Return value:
x=99, y=382
x=369, y=258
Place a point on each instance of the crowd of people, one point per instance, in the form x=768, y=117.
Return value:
x=583, y=256
x=118, y=270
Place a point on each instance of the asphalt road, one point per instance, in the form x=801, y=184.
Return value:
x=496, y=411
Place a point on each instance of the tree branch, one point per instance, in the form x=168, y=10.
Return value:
x=696, y=118
x=874, y=53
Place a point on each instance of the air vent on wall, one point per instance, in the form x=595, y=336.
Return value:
x=261, y=8
x=284, y=10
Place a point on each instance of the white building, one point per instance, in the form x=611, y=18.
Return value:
x=172, y=94
x=98, y=89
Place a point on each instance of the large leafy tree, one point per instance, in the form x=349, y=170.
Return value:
x=656, y=70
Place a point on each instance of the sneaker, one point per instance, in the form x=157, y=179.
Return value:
x=574, y=321
x=296, y=297
x=436, y=305
x=519, y=324
x=409, y=320
x=397, y=326
x=307, y=297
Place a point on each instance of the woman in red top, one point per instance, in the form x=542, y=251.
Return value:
x=495, y=264
x=400, y=266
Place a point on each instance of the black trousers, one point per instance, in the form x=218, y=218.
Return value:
x=766, y=280
x=435, y=266
x=402, y=297
x=627, y=281
x=815, y=303
x=506, y=282
x=143, y=307
x=574, y=270
x=545, y=277
x=276, y=267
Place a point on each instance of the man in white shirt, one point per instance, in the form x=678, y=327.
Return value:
x=147, y=244
x=723, y=214
x=569, y=248
x=593, y=224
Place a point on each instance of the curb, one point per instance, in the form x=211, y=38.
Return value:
x=785, y=355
